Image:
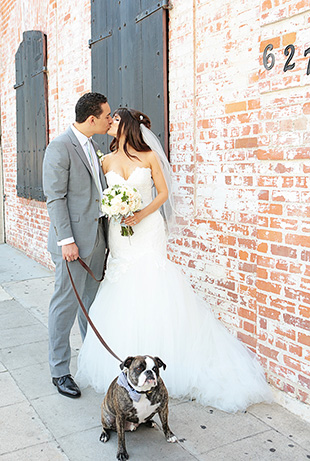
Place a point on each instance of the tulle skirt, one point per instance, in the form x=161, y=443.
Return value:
x=147, y=307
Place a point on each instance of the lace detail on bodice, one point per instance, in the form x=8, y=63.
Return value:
x=149, y=238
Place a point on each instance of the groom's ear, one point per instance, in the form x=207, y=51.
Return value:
x=126, y=363
x=90, y=119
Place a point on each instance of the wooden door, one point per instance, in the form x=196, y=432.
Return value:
x=129, y=59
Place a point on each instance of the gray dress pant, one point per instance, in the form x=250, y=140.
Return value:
x=64, y=305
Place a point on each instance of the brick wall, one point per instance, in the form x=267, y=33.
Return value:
x=67, y=26
x=240, y=147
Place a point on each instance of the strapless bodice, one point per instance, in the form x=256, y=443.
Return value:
x=140, y=178
x=149, y=236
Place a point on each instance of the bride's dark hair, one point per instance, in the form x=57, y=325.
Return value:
x=129, y=127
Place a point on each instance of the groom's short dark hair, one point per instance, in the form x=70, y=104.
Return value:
x=89, y=104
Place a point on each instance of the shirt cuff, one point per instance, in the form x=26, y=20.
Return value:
x=65, y=241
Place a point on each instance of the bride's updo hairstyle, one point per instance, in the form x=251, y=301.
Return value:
x=129, y=127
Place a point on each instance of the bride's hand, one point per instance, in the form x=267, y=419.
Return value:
x=134, y=219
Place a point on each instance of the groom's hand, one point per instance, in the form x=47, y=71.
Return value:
x=70, y=252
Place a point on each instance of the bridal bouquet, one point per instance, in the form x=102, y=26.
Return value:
x=119, y=202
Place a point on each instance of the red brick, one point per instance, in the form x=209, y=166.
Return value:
x=292, y=363
x=249, y=327
x=288, y=39
x=282, y=265
x=295, y=239
x=270, y=209
x=281, y=223
x=282, y=304
x=235, y=107
x=304, y=311
x=269, y=235
x=269, y=154
x=262, y=273
x=266, y=5
x=304, y=339
x=304, y=381
x=247, y=339
x=296, y=350
x=297, y=321
x=287, y=333
x=267, y=352
x=268, y=287
x=302, y=296
x=269, y=313
x=245, y=143
x=262, y=247
x=247, y=314
x=281, y=250
x=276, y=41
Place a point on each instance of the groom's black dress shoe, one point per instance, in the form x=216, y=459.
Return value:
x=66, y=386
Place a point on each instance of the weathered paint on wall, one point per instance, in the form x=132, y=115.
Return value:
x=240, y=148
x=67, y=27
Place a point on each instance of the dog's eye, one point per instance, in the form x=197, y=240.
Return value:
x=138, y=368
x=155, y=368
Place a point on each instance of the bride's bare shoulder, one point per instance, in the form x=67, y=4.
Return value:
x=152, y=158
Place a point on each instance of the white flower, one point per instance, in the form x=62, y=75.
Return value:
x=124, y=209
x=117, y=201
x=114, y=210
x=99, y=154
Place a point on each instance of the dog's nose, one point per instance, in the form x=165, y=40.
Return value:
x=149, y=373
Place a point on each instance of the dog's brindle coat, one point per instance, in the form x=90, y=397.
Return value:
x=119, y=412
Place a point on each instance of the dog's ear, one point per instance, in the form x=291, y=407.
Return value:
x=126, y=363
x=160, y=363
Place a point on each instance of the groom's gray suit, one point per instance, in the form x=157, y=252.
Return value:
x=73, y=206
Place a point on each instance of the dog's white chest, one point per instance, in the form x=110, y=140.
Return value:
x=144, y=408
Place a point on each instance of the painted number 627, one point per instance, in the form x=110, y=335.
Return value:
x=269, y=58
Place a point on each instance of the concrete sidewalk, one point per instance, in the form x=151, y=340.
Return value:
x=37, y=423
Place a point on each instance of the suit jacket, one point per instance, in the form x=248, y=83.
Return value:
x=72, y=196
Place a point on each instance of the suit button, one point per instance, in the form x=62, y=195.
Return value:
x=96, y=219
x=97, y=199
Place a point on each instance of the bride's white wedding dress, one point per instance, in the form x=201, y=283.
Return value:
x=145, y=306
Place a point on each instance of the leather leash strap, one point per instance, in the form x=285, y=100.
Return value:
x=83, y=264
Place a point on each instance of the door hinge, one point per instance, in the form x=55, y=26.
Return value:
x=165, y=4
x=43, y=70
x=101, y=37
x=18, y=85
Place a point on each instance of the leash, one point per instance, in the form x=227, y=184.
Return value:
x=85, y=266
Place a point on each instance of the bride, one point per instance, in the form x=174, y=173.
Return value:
x=145, y=306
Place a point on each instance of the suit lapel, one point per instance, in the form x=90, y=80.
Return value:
x=101, y=174
x=79, y=150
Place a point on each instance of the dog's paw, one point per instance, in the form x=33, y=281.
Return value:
x=151, y=424
x=133, y=427
x=130, y=426
x=172, y=439
x=104, y=437
x=122, y=455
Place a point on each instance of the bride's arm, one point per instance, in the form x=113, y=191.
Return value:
x=104, y=163
x=162, y=192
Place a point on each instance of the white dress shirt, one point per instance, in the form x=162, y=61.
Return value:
x=83, y=140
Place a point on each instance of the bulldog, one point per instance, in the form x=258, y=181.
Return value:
x=133, y=398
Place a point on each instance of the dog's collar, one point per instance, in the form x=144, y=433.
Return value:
x=134, y=394
x=139, y=392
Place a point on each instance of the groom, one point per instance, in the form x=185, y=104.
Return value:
x=73, y=183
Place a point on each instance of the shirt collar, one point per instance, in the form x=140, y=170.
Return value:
x=80, y=136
